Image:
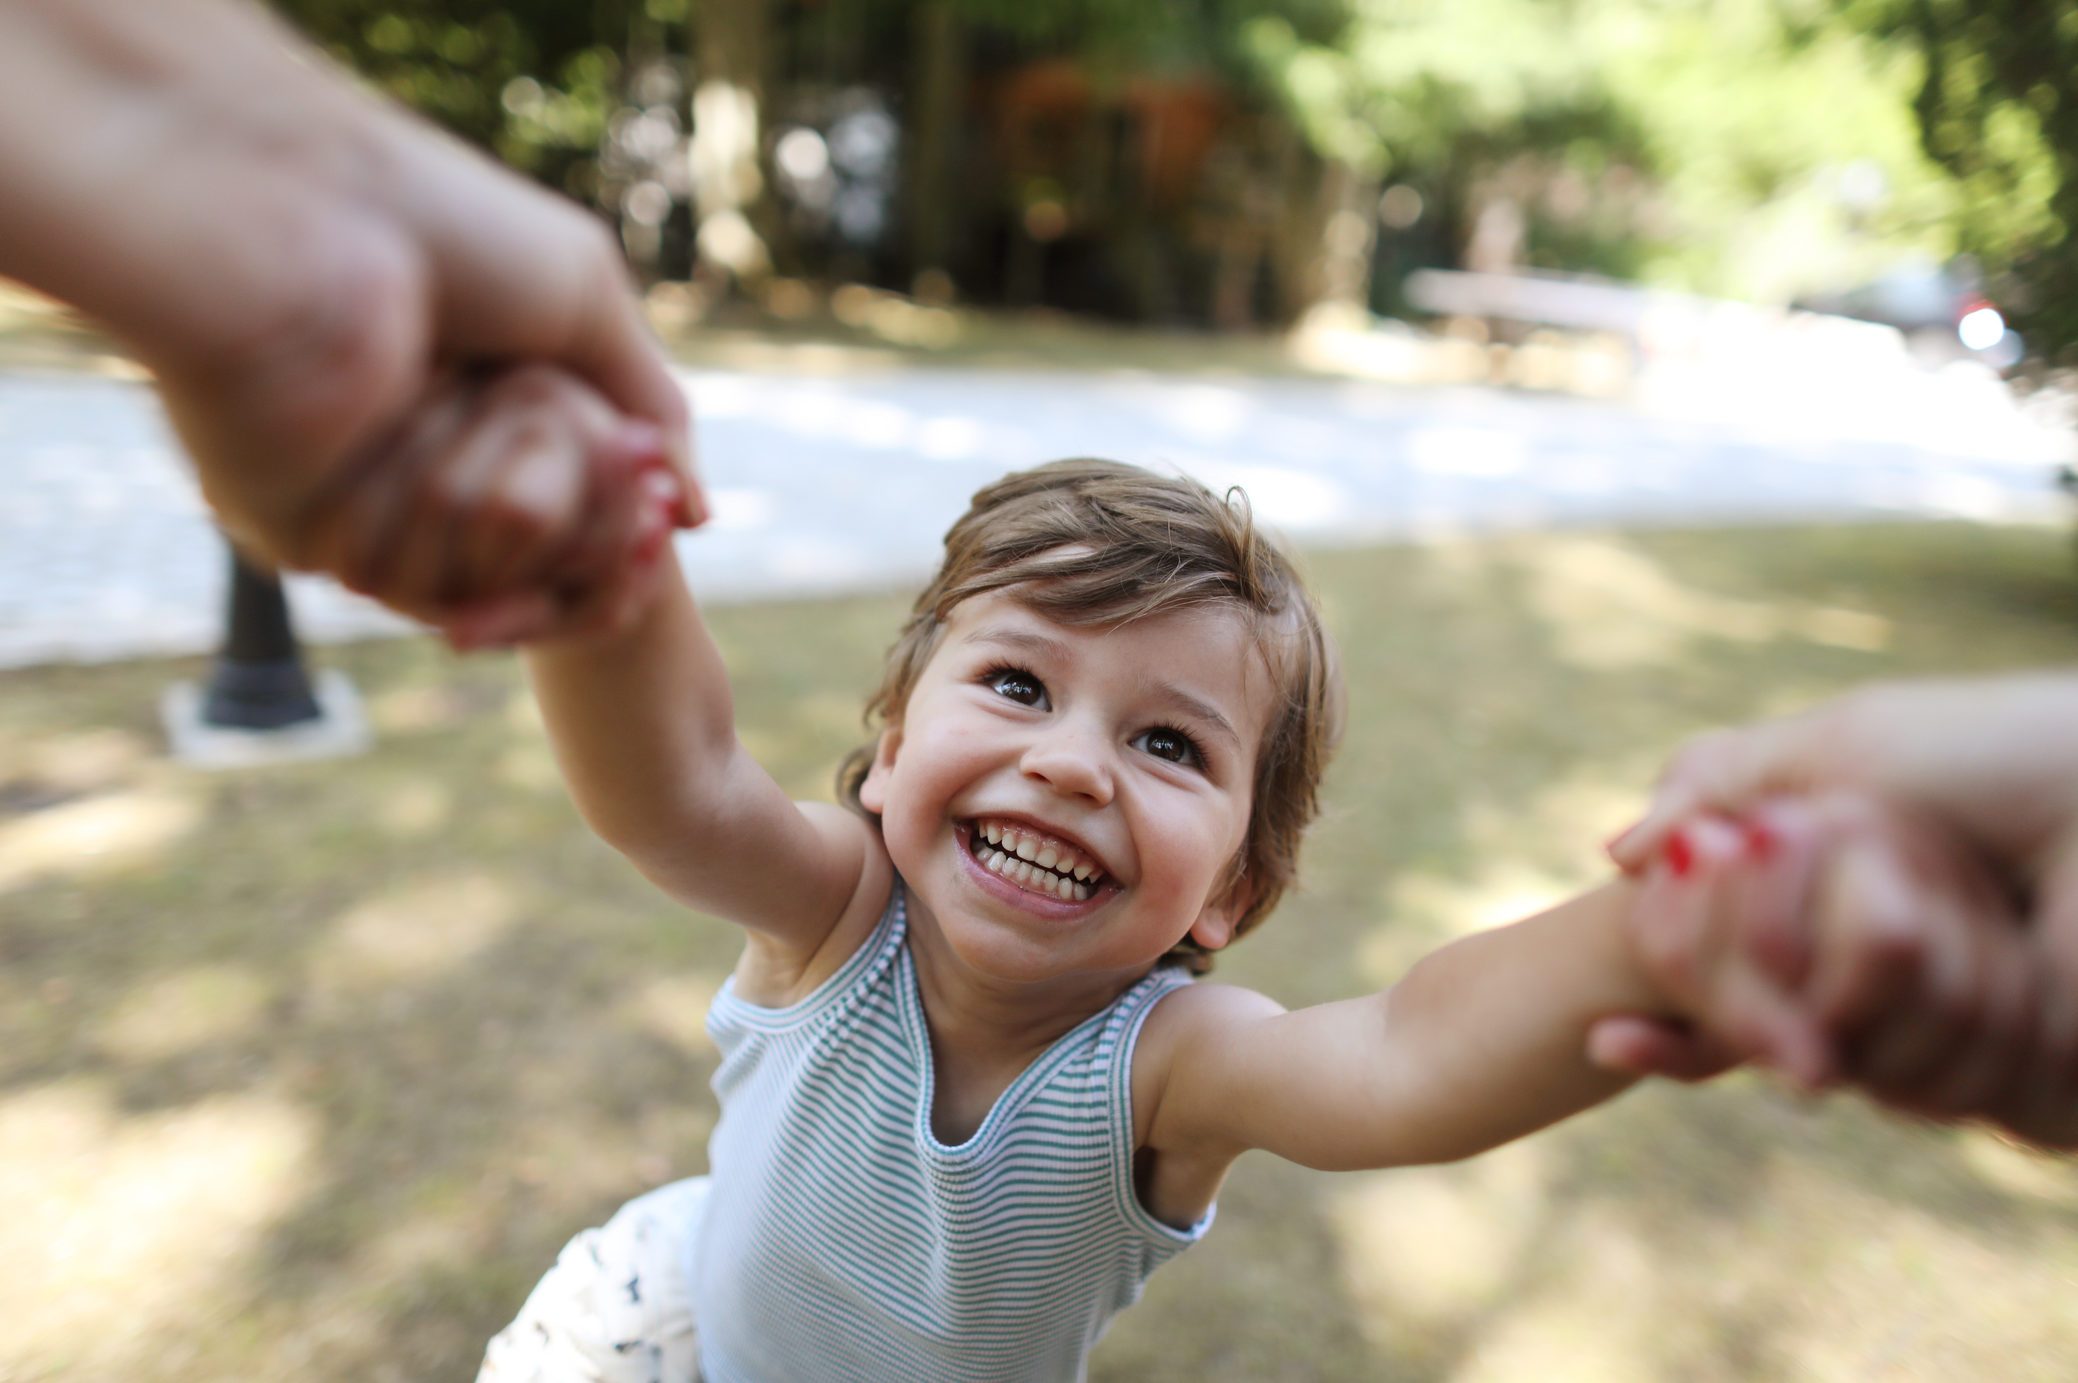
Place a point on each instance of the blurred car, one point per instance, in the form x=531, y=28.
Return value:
x=1941, y=309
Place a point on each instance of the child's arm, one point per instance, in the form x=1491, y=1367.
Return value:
x=636, y=699
x=644, y=726
x=1485, y=1040
x=1480, y=1043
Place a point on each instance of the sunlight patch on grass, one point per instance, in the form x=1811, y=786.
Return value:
x=1428, y=905
x=185, y=1011
x=415, y=808
x=121, y=1229
x=2051, y=1179
x=1611, y=607
x=1564, y=1330
x=85, y=761
x=1450, y=907
x=1437, y=1243
x=531, y=766
x=674, y=1008
x=95, y=836
x=426, y=928
x=1892, y=1289
x=417, y=707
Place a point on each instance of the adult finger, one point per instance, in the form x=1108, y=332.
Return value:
x=1726, y=771
x=1633, y=1045
x=1901, y=991
x=1982, y=1075
x=1773, y=923
x=373, y=510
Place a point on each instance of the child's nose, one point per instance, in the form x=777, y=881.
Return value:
x=1072, y=761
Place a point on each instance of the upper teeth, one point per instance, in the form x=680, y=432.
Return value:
x=1026, y=857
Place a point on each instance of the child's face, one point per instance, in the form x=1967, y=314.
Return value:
x=1128, y=753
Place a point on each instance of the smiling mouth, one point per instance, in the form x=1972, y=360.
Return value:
x=1034, y=861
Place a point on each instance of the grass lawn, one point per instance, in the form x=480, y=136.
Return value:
x=306, y=1073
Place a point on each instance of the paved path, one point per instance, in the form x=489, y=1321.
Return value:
x=843, y=483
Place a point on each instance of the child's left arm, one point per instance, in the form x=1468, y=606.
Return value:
x=1480, y=1043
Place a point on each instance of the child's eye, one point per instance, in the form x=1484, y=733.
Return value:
x=1018, y=685
x=1171, y=745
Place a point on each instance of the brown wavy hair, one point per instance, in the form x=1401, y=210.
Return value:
x=1089, y=542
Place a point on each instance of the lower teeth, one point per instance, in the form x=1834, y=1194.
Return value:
x=1027, y=875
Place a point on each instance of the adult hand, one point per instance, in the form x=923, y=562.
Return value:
x=297, y=262
x=1995, y=761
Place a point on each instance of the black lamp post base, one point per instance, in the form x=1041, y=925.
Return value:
x=200, y=737
x=259, y=696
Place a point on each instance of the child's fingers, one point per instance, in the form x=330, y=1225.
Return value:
x=1671, y=917
x=532, y=512
x=1687, y=925
x=611, y=603
x=531, y=502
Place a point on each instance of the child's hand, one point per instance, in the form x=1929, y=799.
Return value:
x=513, y=508
x=1840, y=941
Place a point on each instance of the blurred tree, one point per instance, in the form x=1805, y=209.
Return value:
x=534, y=81
x=1701, y=144
x=1997, y=110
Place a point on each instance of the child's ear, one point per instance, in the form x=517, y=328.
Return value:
x=1215, y=925
x=873, y=791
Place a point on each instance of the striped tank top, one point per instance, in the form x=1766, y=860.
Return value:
x=843, y=1243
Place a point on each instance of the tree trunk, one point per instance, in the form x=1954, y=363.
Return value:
x=730, y=44
x=931, y=202
x=1348, y=237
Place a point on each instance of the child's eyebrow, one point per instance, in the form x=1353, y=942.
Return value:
x=1018, y=638
x=1194, y=706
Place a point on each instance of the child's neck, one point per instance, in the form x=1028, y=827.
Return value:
x=985, y=1031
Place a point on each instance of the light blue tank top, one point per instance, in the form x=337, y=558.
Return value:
x=843, y=1243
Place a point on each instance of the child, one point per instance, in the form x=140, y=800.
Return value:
x=970, y=1095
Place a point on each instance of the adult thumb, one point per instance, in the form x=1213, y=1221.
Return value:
x=1633, y=1046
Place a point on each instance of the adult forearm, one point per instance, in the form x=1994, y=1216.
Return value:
x=118, y=125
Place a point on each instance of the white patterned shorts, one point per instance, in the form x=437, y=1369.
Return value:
x=617, y=1306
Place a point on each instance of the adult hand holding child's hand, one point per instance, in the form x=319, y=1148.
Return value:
x=1935, y=994
x=302, y=265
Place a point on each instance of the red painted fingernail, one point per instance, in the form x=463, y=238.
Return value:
x=1761, y=842
x=1681, y=856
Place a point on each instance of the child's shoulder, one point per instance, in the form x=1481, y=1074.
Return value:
x=773, y=973
x=1192, y=1024
x=1180, y=1172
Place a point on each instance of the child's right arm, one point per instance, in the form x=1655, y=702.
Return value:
x=636, y=699
x=644, y=727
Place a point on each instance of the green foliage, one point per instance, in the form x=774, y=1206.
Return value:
x=1995, y=107
x=532, y=80
x=1701, y=143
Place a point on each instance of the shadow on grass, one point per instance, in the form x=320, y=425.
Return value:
x=313, y=1070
